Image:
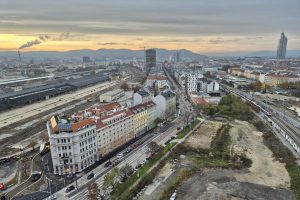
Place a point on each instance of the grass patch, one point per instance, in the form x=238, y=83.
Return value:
x=122, y=190
x=187, y=129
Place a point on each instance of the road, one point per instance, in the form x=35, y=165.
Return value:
x=16, y=115
x=133, y=159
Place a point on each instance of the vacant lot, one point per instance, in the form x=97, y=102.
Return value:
x=265, y=169
x=202, y=137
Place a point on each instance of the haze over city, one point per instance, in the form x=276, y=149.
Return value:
x=200, y=26
x=149, y=99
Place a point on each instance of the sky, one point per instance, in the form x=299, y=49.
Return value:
x=203, y=26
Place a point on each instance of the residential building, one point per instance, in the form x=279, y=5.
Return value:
x=166, y=104
x=111, y=96
x=212, y=87
x=73, y=144
x=141, y=96
x=191, y=82
x=144, y=116
x=160, y=80
x=282, y=45
x=150, y=58
x=114, y=130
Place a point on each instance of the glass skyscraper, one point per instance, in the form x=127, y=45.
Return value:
x=282, y=44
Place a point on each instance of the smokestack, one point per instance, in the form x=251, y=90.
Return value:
x=19, y=53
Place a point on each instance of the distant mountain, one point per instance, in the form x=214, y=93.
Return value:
x=270, y=54
x=105, y=53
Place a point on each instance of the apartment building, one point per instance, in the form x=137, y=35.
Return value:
x=144, y=118
x=73, y=144
x=166, y=104
x=114, y=130
x=141, y=96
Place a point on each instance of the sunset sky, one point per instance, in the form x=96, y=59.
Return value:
x=203, y=26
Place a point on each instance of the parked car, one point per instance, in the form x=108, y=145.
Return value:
x=90, y=176
x=107, y=164
x=52, y=197
x=128, y=149
x=168, y=141
x=172, y=138
x=116, y=162
x=138, y=166
x=178, y=128
x=120, y=155
x=70, y=188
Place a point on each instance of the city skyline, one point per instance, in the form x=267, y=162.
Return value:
x=203, y=27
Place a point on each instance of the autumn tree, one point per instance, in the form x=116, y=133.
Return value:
x=153, y=148
x=93, y=191
x=124, y=86
x=111, y=178
x=32, y=144
x=45, y=136
x=125, y=170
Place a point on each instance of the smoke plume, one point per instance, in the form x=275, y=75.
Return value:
x=44, y=38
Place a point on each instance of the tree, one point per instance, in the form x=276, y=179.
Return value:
x=32, y=144
x=186, y=117
x=111, y=178
x=45, y=136
x=93, y=191
x=153, y=148
x=125, y=170
x=124, y=86
x=137, y=88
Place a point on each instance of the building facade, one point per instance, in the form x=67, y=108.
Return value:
x=73, y=144
x=150, y=58
x=166, y=104
x=113, y=131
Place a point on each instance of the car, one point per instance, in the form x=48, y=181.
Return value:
x=120, y=155
x=107, y=164
x=116, y=162
x=128, y=149
x=143, y=162
x=52, y=197
x=90, y=176
x=138, y=166
x=167, y=142
x=172, y=138
x=134, y=146
x=140, y=142
x=70, y=188
x=178, y=128
x=36, y=176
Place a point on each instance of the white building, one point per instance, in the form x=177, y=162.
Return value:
x=73, y=144
x=166, y=104
x=113, y=95
x=191, y=82
x=212, y=87
x=141, y=96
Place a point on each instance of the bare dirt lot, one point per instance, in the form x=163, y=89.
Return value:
x=266, y=179
x=264, y=170
x=202, y=137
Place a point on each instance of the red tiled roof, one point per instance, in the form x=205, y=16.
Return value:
x=82, y=123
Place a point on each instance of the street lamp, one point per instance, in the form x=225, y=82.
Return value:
x=49, y=184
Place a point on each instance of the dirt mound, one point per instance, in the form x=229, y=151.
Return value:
x=219, y=184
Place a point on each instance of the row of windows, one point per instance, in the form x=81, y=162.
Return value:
x=63, y=140
x=87, y=147
x=88, y=133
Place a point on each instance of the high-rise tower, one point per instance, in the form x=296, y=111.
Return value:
x=282, y=44
x=150, y=58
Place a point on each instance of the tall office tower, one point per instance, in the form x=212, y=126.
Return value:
x=150, y=58
x=86, y=59
x=177, y=56
x=282, y=44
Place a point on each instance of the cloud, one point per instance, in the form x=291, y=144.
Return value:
x=220, y=40
x=112, y=43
